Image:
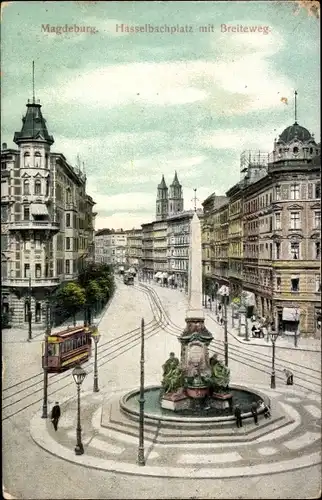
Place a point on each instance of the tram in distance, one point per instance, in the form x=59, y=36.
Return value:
x=128, y=278
x=67, y=348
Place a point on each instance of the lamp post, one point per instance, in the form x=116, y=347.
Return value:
x=79, y=374
x=274, y=335
x=141, y=460
x=45, y=365
x=242, y=315
x=29, y=311
x=225, y=295
x=297, y=319
x=96, y=337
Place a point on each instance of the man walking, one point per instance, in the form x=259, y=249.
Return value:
x=237, y=413
x=254, y=412
x=55, y=415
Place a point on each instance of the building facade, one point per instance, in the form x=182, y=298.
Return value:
x=110, y=248
x=274, y=233
x=178, y=245
x=133, y=252
x=47, y=221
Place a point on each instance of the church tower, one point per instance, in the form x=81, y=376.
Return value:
x=175, y=197
x=162, y=201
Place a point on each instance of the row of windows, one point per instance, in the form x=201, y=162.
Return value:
x=295, y=284
x=265, y=200
x=37, y=187
x=37, y=159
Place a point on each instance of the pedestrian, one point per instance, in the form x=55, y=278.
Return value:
x=289, y=377
x=55, y=415
x=238, y=416
x=267, y=411
x=219, y=307
x=254, y=412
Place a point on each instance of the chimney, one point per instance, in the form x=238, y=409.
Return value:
x=4, y=145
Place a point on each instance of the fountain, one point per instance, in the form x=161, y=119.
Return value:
x=195, y=389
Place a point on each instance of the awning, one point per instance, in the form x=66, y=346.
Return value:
x=158, y=275
x=39, y=209
x=223, y=290
x=291, y=314
x=249, y=298
x=164, y=275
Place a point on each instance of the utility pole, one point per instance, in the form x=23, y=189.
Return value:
x=225, y=330
x=47, y=334
x=141, y=460
x=29, y=312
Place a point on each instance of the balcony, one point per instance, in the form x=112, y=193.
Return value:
x=27, y=225
x=71, y=206
x=25, y=282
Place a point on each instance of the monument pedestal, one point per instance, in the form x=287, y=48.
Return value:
x=175, y=401
x=221, y=401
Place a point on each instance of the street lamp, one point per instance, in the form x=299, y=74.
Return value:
x=225, y=294
x=297, y=319
x=45, y=360
x=96, y=337
x=79, y=374
x=29, y=314
x=274, y=335
x=141, y=459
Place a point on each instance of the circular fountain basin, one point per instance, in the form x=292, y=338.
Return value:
x=129, y=404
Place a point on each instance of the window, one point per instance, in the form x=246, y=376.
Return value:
x=295, y=250
x=295, y=284
x=278, y=283
x=37, y=187
x=38, y=270
x=26, y=159
x=26, y=212
x=277, y=221
x=67, y=266
x=27, y=271
x=67, y=243
x=47, y=185
x=37, y=159
x=38, y=312
x=37, y=242
x=317, y=190
x=295, y=220
x=295, y=191
x=4, y=213
x=317, y=220
x=295, y=150
x=68, y=220
x=278, y=192
x=317, y=249
x=26, y=189
x=318, y=283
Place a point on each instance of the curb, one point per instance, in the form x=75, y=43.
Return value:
x=39, y=434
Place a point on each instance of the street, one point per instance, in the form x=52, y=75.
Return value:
x=33, y=473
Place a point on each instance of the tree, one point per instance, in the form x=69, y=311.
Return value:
x=71, y=298
x=101, y=274
x=93, y=294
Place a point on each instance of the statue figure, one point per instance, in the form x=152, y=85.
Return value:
x=172, y=380
x=220, y=373
x=171, y=363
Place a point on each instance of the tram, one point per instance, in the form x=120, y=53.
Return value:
x=128, y=279
x=67, y=348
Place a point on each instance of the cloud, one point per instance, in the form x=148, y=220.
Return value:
x=124, y=220
x=238, y=139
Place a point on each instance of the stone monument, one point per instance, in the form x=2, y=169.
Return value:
x=196, y=381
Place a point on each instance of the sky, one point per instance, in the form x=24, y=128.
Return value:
x=136, y=105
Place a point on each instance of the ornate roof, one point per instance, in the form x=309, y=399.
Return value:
x=295, y=131
x=162, y=184
x=176, y=180
x=33, y=126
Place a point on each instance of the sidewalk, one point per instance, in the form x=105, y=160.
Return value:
x=21, y=334
x=284, y=342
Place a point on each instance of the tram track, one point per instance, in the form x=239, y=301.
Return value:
x=122, y=343
x=246, y=356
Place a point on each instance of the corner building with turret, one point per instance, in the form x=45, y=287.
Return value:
x=47, y=222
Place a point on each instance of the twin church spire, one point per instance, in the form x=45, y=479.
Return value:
x=169, y=201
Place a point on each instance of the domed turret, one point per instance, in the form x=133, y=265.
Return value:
x=295, y=131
